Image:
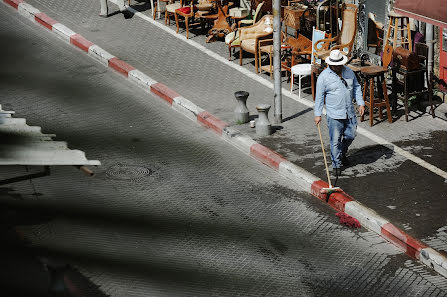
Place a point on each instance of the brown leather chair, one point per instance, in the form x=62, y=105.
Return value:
x=250, y=36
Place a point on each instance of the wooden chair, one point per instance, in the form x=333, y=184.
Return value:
x=221, y=27
x=250, y=36
x=252, y=19
x=375, y=33
x=343, y=41
x=187, y=12
x=169, y=10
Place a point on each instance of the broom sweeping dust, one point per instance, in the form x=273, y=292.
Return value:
x=345, y=219
x=331, y=189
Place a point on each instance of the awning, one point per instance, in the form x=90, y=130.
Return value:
x=428, y=11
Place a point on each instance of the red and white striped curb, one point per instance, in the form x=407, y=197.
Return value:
x=340, y=201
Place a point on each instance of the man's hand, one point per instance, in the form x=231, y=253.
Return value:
x=317, y=120
x=361, y=109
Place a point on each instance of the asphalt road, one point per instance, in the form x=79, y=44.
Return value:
x=173, y=210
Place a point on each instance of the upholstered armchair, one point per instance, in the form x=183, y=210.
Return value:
x=250, y=36
x=344, y=41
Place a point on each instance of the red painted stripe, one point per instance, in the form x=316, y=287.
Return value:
x=164, y=92
x=266, y=155
x=411, y=246
x=81, y=42
x=120, y=66
x=13, y=3
x=45, y=20
x=337, y=200
x=210, y=121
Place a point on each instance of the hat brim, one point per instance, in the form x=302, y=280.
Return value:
x=341, y=62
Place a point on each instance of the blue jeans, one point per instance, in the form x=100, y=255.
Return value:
x=341, y=132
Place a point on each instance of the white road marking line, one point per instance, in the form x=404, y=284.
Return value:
x=287, y=93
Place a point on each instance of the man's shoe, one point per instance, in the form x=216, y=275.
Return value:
x=104, y=15
x=345, y=161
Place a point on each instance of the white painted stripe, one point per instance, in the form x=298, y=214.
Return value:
x=100, y=54
x=403, y=153
x=186, y=107
x=433, y=259
x=63, y=32
x=141, y=79
x=28, y=11
x=237, y=139
x=285, y=92
x=366, y=216
x=297, y=174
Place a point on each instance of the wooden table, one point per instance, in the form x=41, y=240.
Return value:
x=268, y=49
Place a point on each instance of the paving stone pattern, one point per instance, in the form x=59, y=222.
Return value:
x=174, y=210
x=211, y=84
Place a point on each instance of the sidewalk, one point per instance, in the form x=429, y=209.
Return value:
x=405, y=193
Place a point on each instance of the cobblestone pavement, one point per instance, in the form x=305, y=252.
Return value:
x=168, y=214
x=403, y=192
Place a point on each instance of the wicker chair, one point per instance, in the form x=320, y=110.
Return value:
x=343, y=41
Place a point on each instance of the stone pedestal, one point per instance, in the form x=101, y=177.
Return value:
x=263, y=126
x=241, y=111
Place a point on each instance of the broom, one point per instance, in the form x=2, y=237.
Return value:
x=331, y=189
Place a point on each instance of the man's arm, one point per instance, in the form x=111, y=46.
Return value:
x=357, y=89
x=319, y=99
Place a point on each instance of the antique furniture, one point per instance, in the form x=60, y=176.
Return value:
x=377, y=72
x=266, y=46
x=412, y=81
x=170, y=11
x=370, y=73
x=251, y=20
x=160, y=8
x=375, y=33
x=344, y=41
x=250, y=36
x=292, y=18
x=221, y=27
x=187, y=12
x=300, y=70
x=233, y=41
x=398, y=33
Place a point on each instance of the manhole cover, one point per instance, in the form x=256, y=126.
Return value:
x=128, y=172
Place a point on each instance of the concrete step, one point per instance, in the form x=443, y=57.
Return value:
x=20, y=130
x=32, y=156
x=12, y=121
x=35, y=144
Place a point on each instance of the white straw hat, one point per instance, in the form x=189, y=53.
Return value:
x=336, y=58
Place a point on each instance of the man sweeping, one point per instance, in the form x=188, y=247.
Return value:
x=336, y=86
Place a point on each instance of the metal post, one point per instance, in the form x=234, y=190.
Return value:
x=277, y=100
x=430, y=42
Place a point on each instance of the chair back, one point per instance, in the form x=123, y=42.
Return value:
x=387, y=56
x=316, y=36
x=349, y=27
x=257, y=15
x=421, y=50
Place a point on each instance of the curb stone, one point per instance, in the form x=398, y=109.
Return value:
x=312, y=184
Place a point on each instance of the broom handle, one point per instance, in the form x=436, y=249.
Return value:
x=324, y=155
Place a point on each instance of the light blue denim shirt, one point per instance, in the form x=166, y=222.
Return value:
x=338, y=97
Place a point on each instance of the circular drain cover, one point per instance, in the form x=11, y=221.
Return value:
x=128, y=172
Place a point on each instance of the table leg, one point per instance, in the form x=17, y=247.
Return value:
x=406, y=97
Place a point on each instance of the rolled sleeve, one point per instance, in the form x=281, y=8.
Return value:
x=319, y=96
x=357, y=90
